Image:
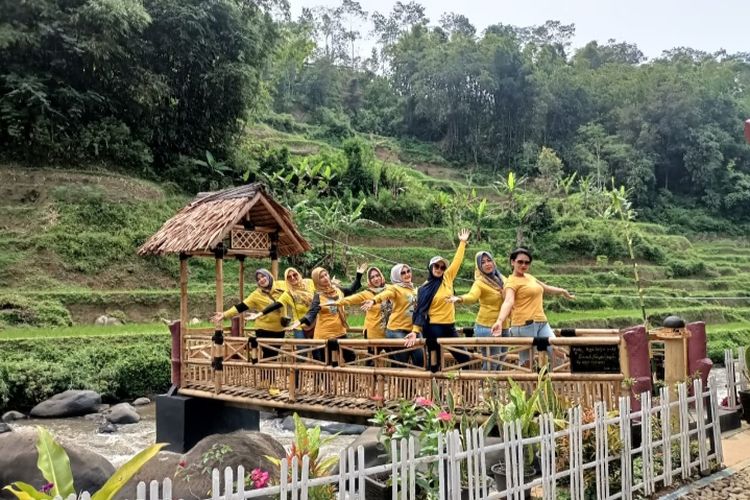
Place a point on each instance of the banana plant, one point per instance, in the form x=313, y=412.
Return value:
x=54, y=465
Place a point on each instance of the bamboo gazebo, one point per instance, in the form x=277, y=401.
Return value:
x=239, y=222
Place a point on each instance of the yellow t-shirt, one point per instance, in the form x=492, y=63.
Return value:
x=296, y=309
x=328, y=324
x=529, y=303
x=373, y=320
x=256, y=302
x=403, y=299
x=490, y=300
x=442, y=312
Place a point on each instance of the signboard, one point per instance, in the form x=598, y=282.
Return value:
x=594, y=359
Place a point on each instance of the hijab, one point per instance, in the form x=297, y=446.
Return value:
x=299, y=291
x=370, y=286
x=426, y=293
x=269, y=276
x=493, y=279
x=329, y=291
x=396, y=276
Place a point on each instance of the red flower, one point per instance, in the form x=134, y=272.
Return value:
x=422, y=401
x=444, y=416
x=182, y=464
x=259, y=478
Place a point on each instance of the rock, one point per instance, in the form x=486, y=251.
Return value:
x=141, y=402
x=288, y=423
x=96, y=417
x=102, y=407
x=195, y=321
x=219, y=450
x=5, y=428
x=122, y=413
x=19, y=457
x=107, y=428
x=105, y=320
x=10, y=416
x=70, y=403
x=344, y=429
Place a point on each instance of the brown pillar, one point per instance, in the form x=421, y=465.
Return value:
x=179, y=376
x=241, y=258
x=274, y=254
x=217, y=350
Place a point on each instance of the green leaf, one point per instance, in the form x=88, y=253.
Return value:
x=125, y=472
x=24, y=491
x=54, y=464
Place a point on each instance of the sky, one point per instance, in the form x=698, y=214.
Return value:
x=653, y=25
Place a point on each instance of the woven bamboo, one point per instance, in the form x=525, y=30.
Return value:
x=206, y=222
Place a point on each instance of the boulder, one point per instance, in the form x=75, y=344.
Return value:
x=344, y=429
x=70, y=403
x=216, y=451
x=122, y=413
x=288, y=423
x=19, y=457
x=195, y=321
x=105, y=320
x=10, y=416
x=5, y=428
x=141, y=402
x=107, y=428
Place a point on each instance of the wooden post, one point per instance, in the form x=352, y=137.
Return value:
x=217, y=350
x=274, y=254
x=241, y=258
x=183, y=313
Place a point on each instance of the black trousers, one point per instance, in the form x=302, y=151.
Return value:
x=432, y=332
x=268, y=334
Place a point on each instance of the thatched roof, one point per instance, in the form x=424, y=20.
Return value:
x=243, y=220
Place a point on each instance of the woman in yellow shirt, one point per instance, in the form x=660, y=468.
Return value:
x=403, y=295
x=266, y=325
x=487, y=289
x=296, y=299
x=329, y=318
x=524, y=304
x=376, y=317
x=435, y=314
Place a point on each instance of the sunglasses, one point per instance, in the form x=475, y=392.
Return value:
x=440, y=267
x=523, y=262
x=405, y=271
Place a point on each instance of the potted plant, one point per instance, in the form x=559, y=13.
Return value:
x=525, y=408
x=745, y=394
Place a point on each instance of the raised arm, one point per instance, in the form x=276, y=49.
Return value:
x=312, y=313
x=458, y=259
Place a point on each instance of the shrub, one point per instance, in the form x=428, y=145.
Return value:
x=19, y=310
x=120, y=367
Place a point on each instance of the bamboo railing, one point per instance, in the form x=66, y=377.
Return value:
x=354, y=377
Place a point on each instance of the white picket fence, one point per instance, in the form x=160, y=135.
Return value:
x=735, y=367
x=687, y=424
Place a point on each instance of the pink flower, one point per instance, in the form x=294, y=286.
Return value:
x=444, y=416
x=259, y=478
x=390, y=430
x=421, y=401
x=47, y=488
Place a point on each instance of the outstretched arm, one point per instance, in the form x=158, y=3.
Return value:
x=505, y=309
x=553, y=290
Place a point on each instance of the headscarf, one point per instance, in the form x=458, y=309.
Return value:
x=426, y=293
x=329, y=291
x=370, y=286
x=299, y=291
x=264, y=272
x=493, y=279
x=396, y=276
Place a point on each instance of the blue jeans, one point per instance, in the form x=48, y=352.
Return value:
x=535, y=329
x=485, y=332
x=417, y=356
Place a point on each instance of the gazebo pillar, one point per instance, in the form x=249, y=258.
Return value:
x=177, y=378
x=241, y=259
x=217, y=350
x=274, y=254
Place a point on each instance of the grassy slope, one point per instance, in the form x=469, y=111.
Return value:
x=69, y=237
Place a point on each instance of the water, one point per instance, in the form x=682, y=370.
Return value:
x=129, y=439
